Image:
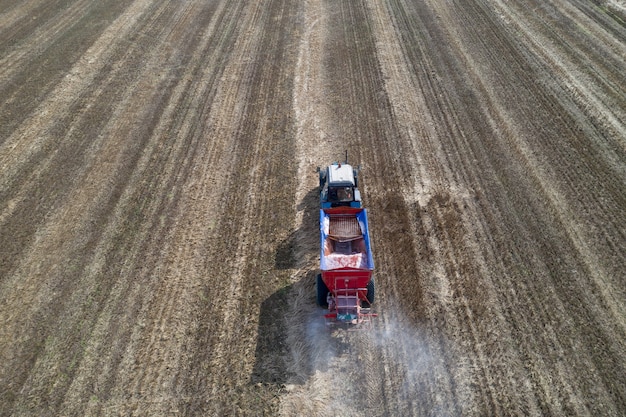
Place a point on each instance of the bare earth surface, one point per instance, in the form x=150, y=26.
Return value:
x=158, y=206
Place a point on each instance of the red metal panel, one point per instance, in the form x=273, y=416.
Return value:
x=346, y=278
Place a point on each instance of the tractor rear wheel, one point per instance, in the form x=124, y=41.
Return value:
x=322, y=292
x=371, y=291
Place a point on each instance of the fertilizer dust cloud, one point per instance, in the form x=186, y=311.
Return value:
x=380, y=371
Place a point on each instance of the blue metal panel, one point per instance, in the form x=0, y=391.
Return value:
x=362, y=218
x=322, y=240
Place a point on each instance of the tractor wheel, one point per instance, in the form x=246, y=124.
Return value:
x=322, y=178
x=322, y=291
x=371, y=291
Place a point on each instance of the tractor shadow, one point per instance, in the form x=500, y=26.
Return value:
x=272, y=348
x=302, y=244
x=293, y=340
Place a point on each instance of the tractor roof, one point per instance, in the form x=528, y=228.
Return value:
x=340, y=174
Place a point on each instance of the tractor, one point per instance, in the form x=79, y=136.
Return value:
x=345, y=285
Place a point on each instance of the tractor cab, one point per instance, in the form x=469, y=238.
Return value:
x=338, y=186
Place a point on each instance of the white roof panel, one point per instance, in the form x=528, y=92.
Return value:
x=341, y=174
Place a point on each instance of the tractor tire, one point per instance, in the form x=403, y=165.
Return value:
x=322, y=179
x=371, y=291
x=322, y=292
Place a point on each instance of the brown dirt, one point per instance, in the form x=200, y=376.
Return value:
x=158, y=206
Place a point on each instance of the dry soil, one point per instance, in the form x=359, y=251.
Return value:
x=159, y=205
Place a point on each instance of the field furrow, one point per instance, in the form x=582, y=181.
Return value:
x=159, y=206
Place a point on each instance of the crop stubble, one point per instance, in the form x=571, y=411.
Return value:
x=158, y=206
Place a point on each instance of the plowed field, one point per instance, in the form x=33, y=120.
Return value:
x=159, y=206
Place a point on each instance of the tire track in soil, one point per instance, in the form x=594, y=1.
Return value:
x=243, y=256
x=432, y=200
x=337, y=372
x=50, y=40
x=234, y=255
x=372, y=130
x=580, y=311
x=43, y=35
x=44, y=273
x=159, y=208
x=586, y=56
x=416, y=360
x=50, y=348
x=199, y=267
x=314, y=365
x=155, y=349
x=550, y=236
x=454, y=216
x=32, y=153
x=592, y=170
x=470, y=310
